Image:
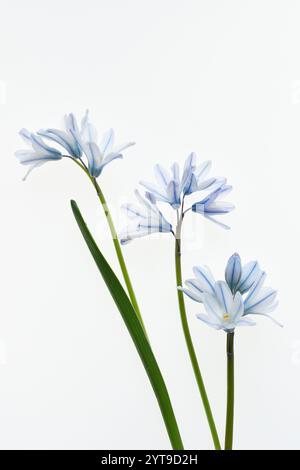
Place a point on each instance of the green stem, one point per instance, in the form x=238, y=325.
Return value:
x=116, y=244
x=119, y=253
x=230, y=391
x=189, y=342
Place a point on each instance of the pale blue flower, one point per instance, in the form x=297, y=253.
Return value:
x=78, y=142
x=67, y=138
x=224, y=310
x=38, y=154
x=145, y=218
x=216, y=296
x=98, y=154
x=171, y=188
x=211, y=206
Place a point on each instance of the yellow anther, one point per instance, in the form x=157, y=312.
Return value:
x=226, y=316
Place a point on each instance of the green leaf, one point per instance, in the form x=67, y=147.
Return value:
x=135, y=330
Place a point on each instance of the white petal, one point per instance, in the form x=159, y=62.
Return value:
x=39, y=146
x=250, y=272
x=146, y=203
x=175, y=172
x=220, y=207
x=162, y=176
x=190, y=294
x=60, y=137
x=233, y=271
x=245, y=322
x=133, y=211
x=94, y=156
x=36, y=165
x=107, y=142
x=202, y=170
x=205, y=279
x=237, y=307
x=173, y=194
x=122, y=147
x=224, y=296
x=215, y=221
x=109, y=158
x=207, y=320
x=255, y=289
x=156, y=190
x=270, y=317
x=26, y=135
x=261, y=302
x=213, y=308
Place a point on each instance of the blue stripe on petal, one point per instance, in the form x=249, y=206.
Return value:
x=233, y=271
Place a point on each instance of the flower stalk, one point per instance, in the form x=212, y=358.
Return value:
x=230, y=391
x=189, y=342
x=116, y=243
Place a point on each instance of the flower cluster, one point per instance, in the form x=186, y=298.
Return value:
x=172, y=188
x=228, y=303
x=78, y=141
x=146, y=218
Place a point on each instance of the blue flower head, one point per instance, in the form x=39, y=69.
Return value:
x=74, y=141
x=228, y=303
x=210, y=206
x=145, y=219
x=171, y=188
x=38, y=154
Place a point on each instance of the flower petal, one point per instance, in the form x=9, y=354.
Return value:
x=213, y=308
x=162, y=176
x=189, y=167
x=107, y=142
x=94, y=156
x=202, y=170
x=264, y=300
x=190, y=294
x=215, y=221
x=224, y=296
x=206, y=319
x=61, y=138
x=205, y=279
x=233, y=271
x=237, y=307
x=250, y=273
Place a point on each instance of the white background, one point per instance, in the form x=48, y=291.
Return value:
x=221, y=78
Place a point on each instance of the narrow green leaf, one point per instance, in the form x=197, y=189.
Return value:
x=136, y=332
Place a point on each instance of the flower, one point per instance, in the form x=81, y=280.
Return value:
x=69, y=138
x=98, y=155
x=171, y=188
x=225, y=311
x=76, y=141
x=210, y=206
x=39, y=153
x=146, y=219
x=228, y=303
x=241, y=278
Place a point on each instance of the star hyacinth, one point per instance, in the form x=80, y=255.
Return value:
x=74, y=141
x=146, y=219
x=172, y=188
x=228, y=303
